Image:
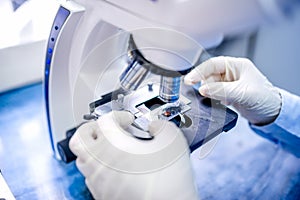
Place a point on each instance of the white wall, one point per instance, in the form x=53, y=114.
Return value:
x=22, y=64
x=23, y=38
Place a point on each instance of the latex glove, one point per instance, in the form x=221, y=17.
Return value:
x=237, y=82
x=118, y=166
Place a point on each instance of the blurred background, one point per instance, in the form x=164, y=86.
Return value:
x=25, y=26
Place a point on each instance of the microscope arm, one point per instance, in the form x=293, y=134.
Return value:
x=205, y=21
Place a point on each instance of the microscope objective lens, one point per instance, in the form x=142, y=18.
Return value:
x=169, y=89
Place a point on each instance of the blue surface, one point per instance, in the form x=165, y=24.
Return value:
x=26, y=157
x=242, y=165
x=236, y=165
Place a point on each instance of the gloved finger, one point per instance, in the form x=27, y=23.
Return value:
x=83, y=137
x=85, y=166
x=123, y=118
x=211, y=79
x=76, y=145
x=159, y=126
x=156, y=126
x=92, y=167
x=214, y=66
x=226, y=92
x=93, y=190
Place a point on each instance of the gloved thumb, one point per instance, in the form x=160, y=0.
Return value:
x=222, y=91
x=155, y=127
x=123, y=118
x=158, y=126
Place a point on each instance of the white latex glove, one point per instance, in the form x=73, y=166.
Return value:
x=118, y=166
x=237, y=82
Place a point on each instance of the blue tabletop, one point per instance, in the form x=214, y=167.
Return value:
x=26, y=159
x=236, y=165
x=242, y=165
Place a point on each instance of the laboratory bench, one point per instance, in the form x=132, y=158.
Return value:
x=235, y=165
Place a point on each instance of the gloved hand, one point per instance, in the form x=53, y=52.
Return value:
x=237, y=82
x=118, y=166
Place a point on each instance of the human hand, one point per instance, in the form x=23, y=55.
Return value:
x=237, y=82
x=118, y=166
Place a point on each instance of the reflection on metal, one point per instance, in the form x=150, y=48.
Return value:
x=169, y=88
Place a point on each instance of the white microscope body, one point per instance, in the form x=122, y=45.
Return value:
x=89, y=39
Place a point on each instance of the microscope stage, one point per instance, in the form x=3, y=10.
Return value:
x=200, y=118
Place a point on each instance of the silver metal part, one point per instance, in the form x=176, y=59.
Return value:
x=169, y=89
x=150, y=102
x=103, y=109
x=150, y=86
x=146, y=105
x=140, y=134
x=172, y=110
x=133, y=76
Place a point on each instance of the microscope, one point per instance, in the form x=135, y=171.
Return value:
x=116, y=55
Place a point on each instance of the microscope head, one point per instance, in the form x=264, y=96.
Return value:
x=162, y=52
